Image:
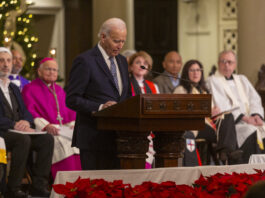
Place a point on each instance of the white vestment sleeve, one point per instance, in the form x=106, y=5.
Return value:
x=255, y=104
x=70, y=124
x=40, y=123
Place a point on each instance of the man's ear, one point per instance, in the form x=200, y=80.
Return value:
x=103, y=36
x=39, y=72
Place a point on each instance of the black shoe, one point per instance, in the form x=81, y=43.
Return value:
x=235, y=157
x=15, y=194
x=39, y=192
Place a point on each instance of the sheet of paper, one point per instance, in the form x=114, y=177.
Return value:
x=28, y=133
x=223, y=112
x=66, y=132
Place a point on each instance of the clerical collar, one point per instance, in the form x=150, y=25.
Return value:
x=230, y=78
x=14, y=77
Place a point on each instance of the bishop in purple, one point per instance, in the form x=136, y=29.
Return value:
x=45, y=100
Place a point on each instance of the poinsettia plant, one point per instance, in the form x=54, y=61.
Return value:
x=219, y=185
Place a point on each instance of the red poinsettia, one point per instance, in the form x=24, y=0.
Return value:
x=216, y=186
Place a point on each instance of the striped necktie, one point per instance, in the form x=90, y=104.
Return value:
x=113, y=71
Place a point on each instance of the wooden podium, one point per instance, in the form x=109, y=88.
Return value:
x=166, y=115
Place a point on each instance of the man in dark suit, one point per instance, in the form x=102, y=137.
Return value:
x=98, y=79
x=14, y=115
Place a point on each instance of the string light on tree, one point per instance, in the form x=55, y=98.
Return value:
x=53, y=52
x=18, y=31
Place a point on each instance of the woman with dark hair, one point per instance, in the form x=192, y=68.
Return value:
x=221, y=129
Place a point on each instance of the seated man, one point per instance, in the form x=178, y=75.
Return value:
x=14, y=115
x=18, y=61
x=49, y=111
x=169, y=80
x=234, y=92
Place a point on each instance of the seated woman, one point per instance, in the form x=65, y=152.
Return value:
x=45, y=100
x=220, y=130
x=141, y=86
x=138, y=82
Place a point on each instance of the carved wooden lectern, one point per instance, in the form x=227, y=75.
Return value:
x=166, y=115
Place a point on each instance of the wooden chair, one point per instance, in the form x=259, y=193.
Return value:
x=207, y=152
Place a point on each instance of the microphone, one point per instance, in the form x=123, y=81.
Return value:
x=143, y=67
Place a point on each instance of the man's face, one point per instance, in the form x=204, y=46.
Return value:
x=5, y=64
x=113, y=42
x=172, y=63
x=17, y=62
x=227, y=64
x=48, y=72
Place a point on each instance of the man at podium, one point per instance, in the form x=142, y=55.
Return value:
x=98, y=79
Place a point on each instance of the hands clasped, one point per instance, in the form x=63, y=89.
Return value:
x=23, y=125
x=254, y=120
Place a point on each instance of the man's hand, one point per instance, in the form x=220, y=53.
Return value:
x=52, y=129
x=258, y=120
x=22, y=125
x=108, y=104
x=254, y=120
x=215, y=111
x=30, y=130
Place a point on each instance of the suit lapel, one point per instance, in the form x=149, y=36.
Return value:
x=169, y=83
x=17, y=94
x=3, y=98
x=104, y=67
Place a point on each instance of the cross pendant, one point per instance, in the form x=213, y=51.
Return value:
x=59, y=118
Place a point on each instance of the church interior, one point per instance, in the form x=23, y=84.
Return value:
x=196, y=29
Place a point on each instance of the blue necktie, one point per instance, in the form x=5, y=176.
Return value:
x=114, y=71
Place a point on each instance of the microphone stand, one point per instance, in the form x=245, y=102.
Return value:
x=143, y=67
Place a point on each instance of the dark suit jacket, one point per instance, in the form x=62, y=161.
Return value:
x=90, y=85
x=6, y=123
x=164, y=84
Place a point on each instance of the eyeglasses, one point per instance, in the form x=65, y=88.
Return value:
x=195, y=70
x=50, y=69
x=229, y=62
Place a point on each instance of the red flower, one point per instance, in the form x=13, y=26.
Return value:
x=216, y=186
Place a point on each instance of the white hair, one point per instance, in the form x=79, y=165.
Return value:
x=6, y=50
x=107, y=26
x=227, y=52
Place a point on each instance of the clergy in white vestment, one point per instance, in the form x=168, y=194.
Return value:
x=232, y=92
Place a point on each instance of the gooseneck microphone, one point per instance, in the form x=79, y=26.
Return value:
x=143, y=67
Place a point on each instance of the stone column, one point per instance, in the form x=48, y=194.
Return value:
x=251, y=37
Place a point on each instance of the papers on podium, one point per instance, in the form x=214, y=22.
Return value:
x=28, y=133
x=66, y=132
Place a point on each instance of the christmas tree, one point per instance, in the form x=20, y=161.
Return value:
x=16, y=31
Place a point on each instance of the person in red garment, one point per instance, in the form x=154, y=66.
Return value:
x=141, y=86
x=138, y=82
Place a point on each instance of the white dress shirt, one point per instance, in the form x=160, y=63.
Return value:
x=107, y=60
